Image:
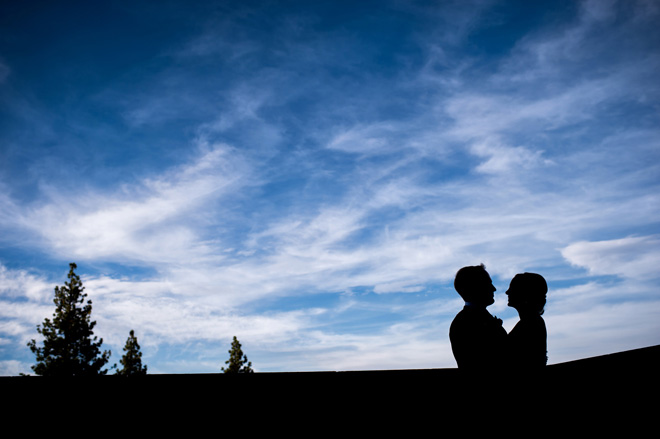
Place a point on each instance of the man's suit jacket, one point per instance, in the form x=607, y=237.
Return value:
x=478, y=339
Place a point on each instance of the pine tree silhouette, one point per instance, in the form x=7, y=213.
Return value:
x=131, y=361
x=69, y=347
x=238, y=362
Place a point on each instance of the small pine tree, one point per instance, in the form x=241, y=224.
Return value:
x=69, y=347
x=131, y=361
x=238, y=362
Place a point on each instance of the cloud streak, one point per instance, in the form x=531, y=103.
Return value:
x=150, y=222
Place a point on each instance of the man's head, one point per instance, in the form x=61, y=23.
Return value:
x=474, y=285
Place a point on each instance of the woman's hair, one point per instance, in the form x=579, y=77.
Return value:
x=534, y=288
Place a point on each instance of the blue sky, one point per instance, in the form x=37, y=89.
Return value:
x=309, y=176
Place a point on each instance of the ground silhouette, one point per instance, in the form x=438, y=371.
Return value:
x=602, y=394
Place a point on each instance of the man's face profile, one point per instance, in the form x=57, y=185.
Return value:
x=475, y=286
x=484, y=290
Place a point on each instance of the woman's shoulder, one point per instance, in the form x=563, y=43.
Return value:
x=530, y=324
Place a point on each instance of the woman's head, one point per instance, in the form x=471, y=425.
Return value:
x=527, y=293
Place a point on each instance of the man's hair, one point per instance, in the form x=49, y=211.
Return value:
x=468, y=279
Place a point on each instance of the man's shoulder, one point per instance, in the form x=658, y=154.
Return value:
x=469, y=318
x=473, y=313
x=460, y=317
x=477, y=321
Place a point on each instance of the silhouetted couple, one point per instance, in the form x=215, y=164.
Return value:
x=478, y=340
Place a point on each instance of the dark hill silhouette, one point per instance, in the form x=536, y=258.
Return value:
x=616, y=392
x=619, y=370
x=621, y=366
x=641, y=360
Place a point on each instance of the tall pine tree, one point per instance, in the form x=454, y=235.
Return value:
x=69, y=347
x=238, y=362
x=132, y=360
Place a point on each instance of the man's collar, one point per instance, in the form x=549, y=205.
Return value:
x=473, y=305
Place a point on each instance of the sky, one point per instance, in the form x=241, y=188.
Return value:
x=309, y=176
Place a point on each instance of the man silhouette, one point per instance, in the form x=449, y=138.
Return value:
x=477, y=338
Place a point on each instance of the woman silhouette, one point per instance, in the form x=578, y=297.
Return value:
x=527, y=341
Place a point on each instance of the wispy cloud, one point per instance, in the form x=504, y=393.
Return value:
x=634, y=257
x=151, y=222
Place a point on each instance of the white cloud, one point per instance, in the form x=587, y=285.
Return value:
x=12, y=368
x=20, y=283
x=398, y=287
x=598, y=11
x=501, y=158
x=482, y=115
x=634, y=257
x=161, y=312
x=153, y=222
x=368, y=139
x=596, y=319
